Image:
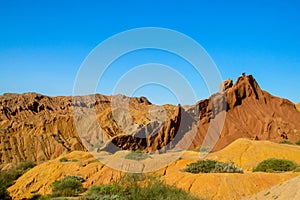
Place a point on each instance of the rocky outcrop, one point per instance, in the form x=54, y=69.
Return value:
x=225, y=85
x=37, y=127
x=250, y=113
x=154, y=138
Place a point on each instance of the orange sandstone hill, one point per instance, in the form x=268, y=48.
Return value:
x=37, y=127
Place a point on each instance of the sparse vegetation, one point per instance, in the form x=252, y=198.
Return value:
x=69, y=186
x=285, y=142
x=203, y=149
x=63, y=159
x=8, y=177
x=136, y=155
x=273, y=165
x=137, y=187
x=298, y=142
x=212, y=166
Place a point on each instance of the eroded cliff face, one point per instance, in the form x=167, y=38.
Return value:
x=250, y=113
x=37, y=127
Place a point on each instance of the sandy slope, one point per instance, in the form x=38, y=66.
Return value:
x=287, y=190
x=208, y=186
x=247, y=153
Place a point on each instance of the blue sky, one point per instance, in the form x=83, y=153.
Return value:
x=43, y=43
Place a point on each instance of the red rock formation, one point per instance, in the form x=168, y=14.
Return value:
x=37, y=127
x=251, y=113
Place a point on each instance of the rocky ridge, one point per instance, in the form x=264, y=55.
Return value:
x=37, y=127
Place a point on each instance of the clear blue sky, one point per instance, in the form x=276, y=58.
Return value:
x=43, y=43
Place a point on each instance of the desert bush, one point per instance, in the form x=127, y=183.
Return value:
x=137, y=187
x=25, y=166
x=136, y=155
x=109, y=191
x=67, y=187
x=7, y=177
x=212, y=166
x=63, y=159
x=275, y=165
x=298, y=142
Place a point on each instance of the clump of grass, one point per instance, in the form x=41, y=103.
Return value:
x=69, y=186
x=136, y=155
x=273, y=165
x=212, y=166
x=137, y=187
x=63, y=159
x=298, y=142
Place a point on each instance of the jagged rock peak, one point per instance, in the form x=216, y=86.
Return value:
x=248, y=86
x=225, y=85
x=245, y=87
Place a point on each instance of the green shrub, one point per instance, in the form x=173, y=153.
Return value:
x=67, y=187
x=285, y=142
x=40, y=197
x=212, y=166
x=25, y=166
x=110, y=191
x=7, y=177
x=63, y=159
x=137, y=155
x=275, y=165
x=137, y=187
x=3, y=193
x=298, y=142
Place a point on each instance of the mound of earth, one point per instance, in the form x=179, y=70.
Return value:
x=38, y=128
x=247, y=153
x=289, y=189
x=208, y=186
